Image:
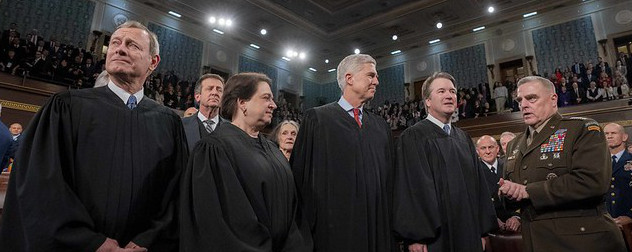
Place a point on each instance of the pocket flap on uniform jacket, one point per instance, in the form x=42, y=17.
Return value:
x=581, y=225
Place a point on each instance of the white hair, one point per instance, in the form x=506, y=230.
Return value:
x=352, y=64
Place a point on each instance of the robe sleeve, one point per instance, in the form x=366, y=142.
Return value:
x=304, y=159
x=416, y=217
x=40, y=202
x=164, y=226
x=215, y=213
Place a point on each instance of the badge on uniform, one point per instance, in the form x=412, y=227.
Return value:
x=592, y=126
x=544, y=157
x=551, y=176
x=556, y=155
x=556, y=142
x=628, y=166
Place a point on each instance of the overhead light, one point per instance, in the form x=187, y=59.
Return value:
x=530, y=14
x=478, y=28
x=356, y=51
x=434, y=41
x=221, y=21
x=285, y=58
x=326, y=61
x=491, y=9
x=396, y=52
x=302, y=55
x=263, y=31
x=331, y=70
x=218, y=31
x=439, y=25
x=229, y=22
x=174, y=14
x=212, y=20
x=394, y=37
x=289, y=53
x=312, y=69
x=255, y=46
x=294, y=54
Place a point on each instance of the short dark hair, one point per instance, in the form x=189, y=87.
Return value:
x=240, y=86
x=425, y=88
x=198, y=84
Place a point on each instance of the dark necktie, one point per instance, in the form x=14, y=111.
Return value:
x=494, y=169
x=614, y=160
x=208, y=125
x=446, y=128
x=356, y=116
x=131, y=102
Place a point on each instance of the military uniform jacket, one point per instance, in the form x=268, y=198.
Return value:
x=566, y=170
x=619, y=196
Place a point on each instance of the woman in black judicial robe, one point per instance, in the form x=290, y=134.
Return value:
x=238, y=192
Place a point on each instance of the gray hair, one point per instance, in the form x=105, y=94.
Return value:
x=507, y=133
x=352, y=64
x=277, y=130
x=198, y=84
x=102, y=80
x=154, y=47
x=544, y=82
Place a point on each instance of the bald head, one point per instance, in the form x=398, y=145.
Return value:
x=487, y=149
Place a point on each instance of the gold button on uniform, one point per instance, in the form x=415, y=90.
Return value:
x=582, y=229
x=612, y=194
x=612, y=178
x=524, y=167
x=613, y=202
x=611, y=186
x=525, y=182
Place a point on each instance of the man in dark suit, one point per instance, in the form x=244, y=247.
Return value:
x=619, y=196
x=5, y=140
x=557, y=172
x=579, y=69
x=590, y=77
x=578, y=95
x=487, y=149
x=16, y=131
x=208, y=93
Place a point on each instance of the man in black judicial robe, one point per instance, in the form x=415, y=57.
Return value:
x=440, y=198
x=97, y=174
x=341, y=163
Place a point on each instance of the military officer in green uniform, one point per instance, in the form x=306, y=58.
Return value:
x=557, y=172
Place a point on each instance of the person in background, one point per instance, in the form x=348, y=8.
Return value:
x=238, y=192
x=284, y=135
x=5, y=142
x=619, y=196
x=505, y=138
x=209, y=89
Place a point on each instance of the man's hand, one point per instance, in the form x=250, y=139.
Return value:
x=501, y=224
x=111, y=245
x=416, y=247
x=511, y=190
x=483, y=243
x=512, y=224
x=622, y=220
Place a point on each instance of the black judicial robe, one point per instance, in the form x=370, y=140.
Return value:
x=440, y=196
x=91, y=168
x=238, y=194
x=342, y=174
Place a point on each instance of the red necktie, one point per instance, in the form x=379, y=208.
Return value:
x=356, y=116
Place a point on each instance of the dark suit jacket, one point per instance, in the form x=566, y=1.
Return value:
x=619, y=196
x=581, y=93
x=492, y=184
x=192, y=126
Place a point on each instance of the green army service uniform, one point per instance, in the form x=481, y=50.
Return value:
x=567, y=170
